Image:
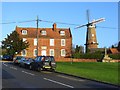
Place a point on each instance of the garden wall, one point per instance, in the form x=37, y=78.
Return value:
x=80, y=60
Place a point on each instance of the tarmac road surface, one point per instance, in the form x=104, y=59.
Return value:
x=14, y=76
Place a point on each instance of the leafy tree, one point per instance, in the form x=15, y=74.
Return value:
x=79, y=49
x=73, y=49
x=113, y=46
x=14, y=44
x=119, y=46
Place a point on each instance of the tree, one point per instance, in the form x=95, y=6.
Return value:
x=14, y=44
x=113, y=46
x=79, y=49
x=119, y=46
x=73, y=49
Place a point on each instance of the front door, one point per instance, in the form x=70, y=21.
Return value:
x=43, y=52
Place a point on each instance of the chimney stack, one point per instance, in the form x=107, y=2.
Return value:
x=54, y=26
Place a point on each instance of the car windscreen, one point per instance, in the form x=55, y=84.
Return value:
x=49, y=59
x=30, y=60
x=18, y=58
x=39, y=59
x=5, y=56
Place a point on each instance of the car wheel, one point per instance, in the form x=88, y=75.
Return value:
x=19, y=65
x=39, y=69
x=25, y=66
x=52, y=70
x=30, y=67
x=14, y=63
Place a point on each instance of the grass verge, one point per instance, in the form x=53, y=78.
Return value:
x=105, y=72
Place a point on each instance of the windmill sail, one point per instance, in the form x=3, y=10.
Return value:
x=81, y=26
x=88, y=16
x=98, y=21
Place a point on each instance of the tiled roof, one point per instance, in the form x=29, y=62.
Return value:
x=50, y=32
x=114, y=50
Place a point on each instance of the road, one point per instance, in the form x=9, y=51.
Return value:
x=14, y=76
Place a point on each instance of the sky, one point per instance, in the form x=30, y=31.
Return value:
x=67, y=12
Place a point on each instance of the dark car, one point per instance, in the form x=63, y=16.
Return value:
x=28, y=62
x=44, y=63
x=22, y=62
x=17, y=59
x=7, y=57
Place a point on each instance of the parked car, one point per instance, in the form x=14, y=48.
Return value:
x=28, y=62
x=7, y=57
x=44, y=63
x=17, y=59
x=22, y=62
x=1, y=56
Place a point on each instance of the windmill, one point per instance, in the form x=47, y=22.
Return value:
x=91, y=38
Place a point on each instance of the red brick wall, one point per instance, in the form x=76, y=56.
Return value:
x=115, y=60
x=79, y=60
x=74, y=60
x=46, y=42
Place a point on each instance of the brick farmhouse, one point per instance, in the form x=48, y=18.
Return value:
x=53, y=41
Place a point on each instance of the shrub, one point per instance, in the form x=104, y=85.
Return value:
x=94, y=56
x=115, y=56
x=88, y=56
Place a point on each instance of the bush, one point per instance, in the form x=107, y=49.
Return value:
x=88, y=56
x=96, y=55
x=115, y=56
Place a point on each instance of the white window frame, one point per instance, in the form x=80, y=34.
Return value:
x=63, y=54
x=45, y=54
x=43, y=32
x=24, y=39
x=25, y=52
x=24, y=32
x=34, y=52
x=44, y=47
x=93, y=35
x=62, y=33
x=35, y=41
x=63, y=42
x=51, y=42
x=51, y=50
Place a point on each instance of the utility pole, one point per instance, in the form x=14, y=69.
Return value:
x=37, y=35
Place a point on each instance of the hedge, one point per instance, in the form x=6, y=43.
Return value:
x=115, y=56
x=94, y=56
x=88, y=56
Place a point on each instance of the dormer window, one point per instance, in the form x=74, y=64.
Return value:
x=62, y=33
x=43, y=32
x=24, y=32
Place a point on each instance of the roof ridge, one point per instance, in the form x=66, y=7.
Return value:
x=39, y=28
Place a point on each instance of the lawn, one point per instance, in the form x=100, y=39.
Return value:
x=105, y=72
